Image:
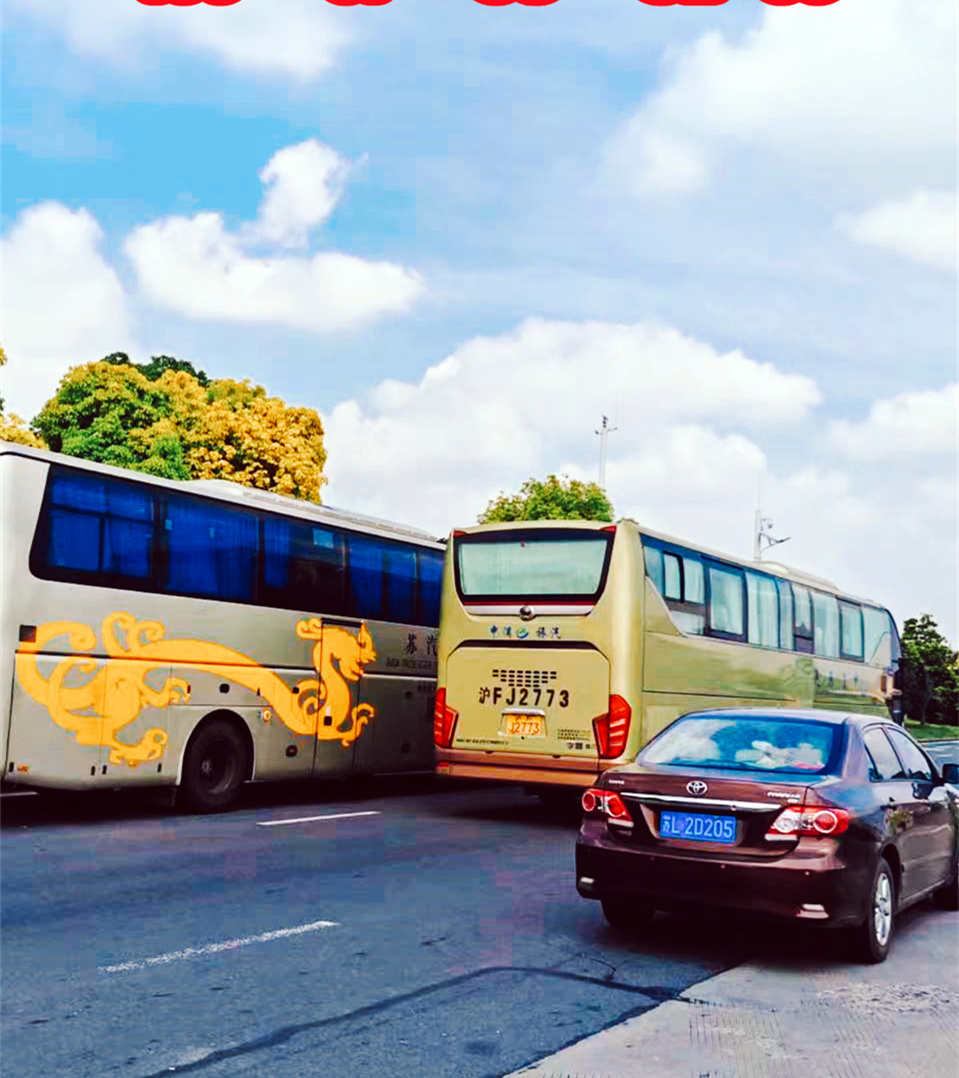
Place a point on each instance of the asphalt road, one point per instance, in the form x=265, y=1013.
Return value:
x=419, y=928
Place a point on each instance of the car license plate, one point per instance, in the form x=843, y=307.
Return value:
x=519, y=725
x=698, y=827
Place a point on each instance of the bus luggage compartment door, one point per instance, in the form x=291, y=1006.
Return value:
x=341, y=719
x=527, y=699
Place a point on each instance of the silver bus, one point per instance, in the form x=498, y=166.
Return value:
x=201, y=635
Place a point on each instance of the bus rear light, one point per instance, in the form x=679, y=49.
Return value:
x=612, y=729
x=793, y=822
x=444, y=721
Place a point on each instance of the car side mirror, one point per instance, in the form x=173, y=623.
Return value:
x=950, y=773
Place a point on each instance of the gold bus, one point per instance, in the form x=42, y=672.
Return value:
x=565, y=646
x=200, y=635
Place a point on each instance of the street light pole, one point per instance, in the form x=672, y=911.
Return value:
x=604, y=432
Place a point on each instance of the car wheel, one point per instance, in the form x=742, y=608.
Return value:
x=947, y=898
x=871, y=940
x=627, y=912
x=214, y=768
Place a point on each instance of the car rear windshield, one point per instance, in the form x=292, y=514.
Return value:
x=521, y=565
x=746, y=744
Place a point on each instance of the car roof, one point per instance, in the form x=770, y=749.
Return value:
x=803, y=714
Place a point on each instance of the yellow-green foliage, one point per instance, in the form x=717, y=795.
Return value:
x=167, y=419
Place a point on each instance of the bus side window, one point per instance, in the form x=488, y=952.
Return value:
x=763, y=620
x=399, y=565
x=430, y=586
x=785, y=614
x=802, y=629
x=672, y=574
x=726, y=614
x=654, y=566
x=850, y=630
x=97, y=525
x=826, y=624
x=877, y=637
x=304, y=566
x=366, y=598
x=212, y=550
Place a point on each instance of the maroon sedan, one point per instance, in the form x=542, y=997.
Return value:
x=815, y=815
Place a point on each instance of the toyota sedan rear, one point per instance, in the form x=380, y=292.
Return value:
x=809, y=815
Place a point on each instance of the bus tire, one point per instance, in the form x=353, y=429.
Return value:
x=626, y=912
x=214, y=767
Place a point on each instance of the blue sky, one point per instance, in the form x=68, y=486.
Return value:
x=744, y=181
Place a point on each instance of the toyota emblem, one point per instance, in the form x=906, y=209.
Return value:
x=697, y=787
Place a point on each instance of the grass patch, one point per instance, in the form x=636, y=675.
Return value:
x=931, y=732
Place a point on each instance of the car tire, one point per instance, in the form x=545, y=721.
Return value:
x=947, y=898
x=627, y=912
x=871, y=940
x=214, y=768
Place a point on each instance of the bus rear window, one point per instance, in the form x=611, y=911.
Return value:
x=506, y=565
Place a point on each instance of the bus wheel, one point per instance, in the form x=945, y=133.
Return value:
x=627, y=913
x=214, y=768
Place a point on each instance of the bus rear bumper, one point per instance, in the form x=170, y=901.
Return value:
x=516, y=767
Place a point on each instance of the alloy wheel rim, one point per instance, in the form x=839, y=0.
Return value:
x=882, y=909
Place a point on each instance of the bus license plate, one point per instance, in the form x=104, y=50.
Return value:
x=698, y=827
x=524, y=725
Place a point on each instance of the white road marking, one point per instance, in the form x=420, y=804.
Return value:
x=215, y=948
x=311, y=819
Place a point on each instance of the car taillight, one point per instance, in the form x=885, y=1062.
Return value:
x=611, y=805
x=792, y=822
x=444, y=721
x=612, y=729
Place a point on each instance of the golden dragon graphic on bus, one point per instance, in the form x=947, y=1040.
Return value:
x=96, y=711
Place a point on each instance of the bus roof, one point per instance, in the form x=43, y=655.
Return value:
x=773, y=568
x=228, y=491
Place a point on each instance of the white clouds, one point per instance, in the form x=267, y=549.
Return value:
x=62, y=304
x=502, y=408
x=196, y=267
x=303, y=185
x=860, y=82
x=923, y=228
x=920, y=423
x=297, y=39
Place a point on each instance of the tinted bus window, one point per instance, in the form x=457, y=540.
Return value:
x=430, y=585
x=96, y=525
x=211, y=550
x=399, y=565
x=826, y=615
x=304, y=566
x=672, y=577
x=365, y=577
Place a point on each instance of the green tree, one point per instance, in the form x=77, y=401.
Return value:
x=551, y=498
x=160, y=418
x=113, y=414
x=929, y=673
x=158, y=366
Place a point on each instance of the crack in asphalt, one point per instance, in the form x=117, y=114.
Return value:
x=656, y=994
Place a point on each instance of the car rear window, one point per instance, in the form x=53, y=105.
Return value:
x=746, y=743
